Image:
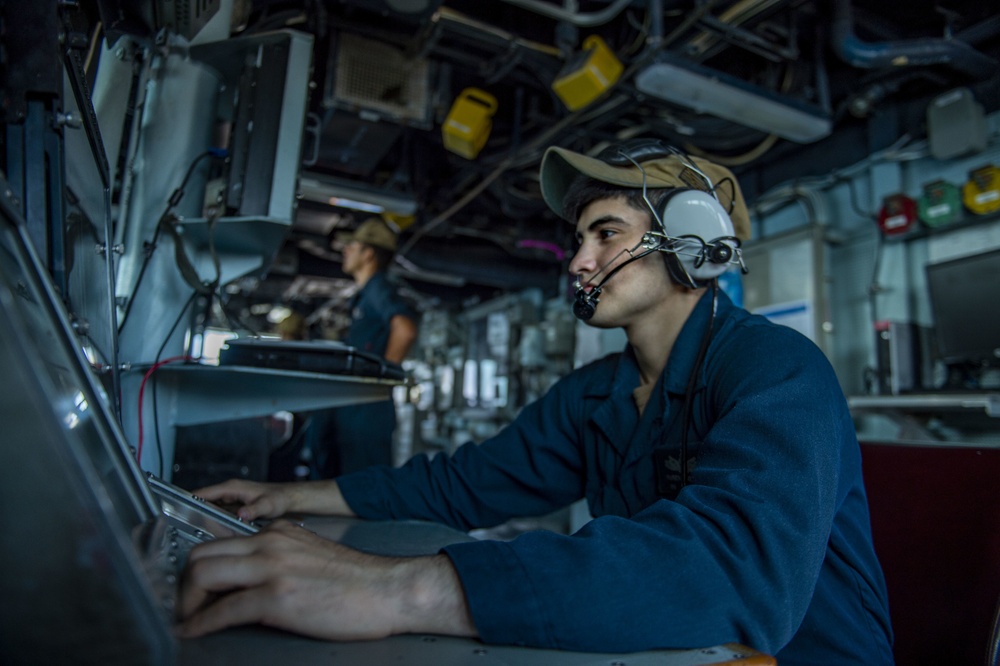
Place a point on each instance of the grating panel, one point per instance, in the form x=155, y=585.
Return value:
x=379, y=78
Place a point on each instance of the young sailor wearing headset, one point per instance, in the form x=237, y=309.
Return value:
x=716, y=453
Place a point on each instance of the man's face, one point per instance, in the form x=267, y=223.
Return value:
x=607, y=230
x=353, y=257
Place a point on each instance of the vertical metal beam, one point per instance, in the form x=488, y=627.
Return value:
x=72, y=43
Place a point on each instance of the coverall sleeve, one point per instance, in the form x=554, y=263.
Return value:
x=532, y=467
x=386, y=300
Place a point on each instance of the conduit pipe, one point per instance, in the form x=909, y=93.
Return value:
x=576, y=18
x=905, y=53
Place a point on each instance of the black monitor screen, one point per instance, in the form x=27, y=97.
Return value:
x=965, y=298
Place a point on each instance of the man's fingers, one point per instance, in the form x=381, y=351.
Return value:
x=236, y=608
x=262, y=507
x=229, y=566
x=231, y=491
x=223, y=547
x=267, y=538
x=255, y=500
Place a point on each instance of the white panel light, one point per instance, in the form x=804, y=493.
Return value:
x=708, y=91
x=334, y=192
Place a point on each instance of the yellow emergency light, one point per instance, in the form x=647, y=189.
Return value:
x=469, y=122
x=981, y=193
x=588, y=75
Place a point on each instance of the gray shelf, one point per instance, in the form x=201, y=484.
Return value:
x=207, y=393
x=989, y=403
x=257, y=236
x=936, y=419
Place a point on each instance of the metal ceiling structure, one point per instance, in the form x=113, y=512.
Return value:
x=776, y=89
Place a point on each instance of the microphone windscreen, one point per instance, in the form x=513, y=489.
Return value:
x=583, y=308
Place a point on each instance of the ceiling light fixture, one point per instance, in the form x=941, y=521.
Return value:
x=708, y=91
x=355, y=196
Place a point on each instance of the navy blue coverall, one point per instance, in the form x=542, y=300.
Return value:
x=359, y=436
x=768, y=545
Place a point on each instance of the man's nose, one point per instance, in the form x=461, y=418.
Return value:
x=582, y=262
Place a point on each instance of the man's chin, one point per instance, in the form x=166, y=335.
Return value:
x=597, y=321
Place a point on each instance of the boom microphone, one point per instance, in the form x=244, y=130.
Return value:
x=718, y=253
x=585, y=304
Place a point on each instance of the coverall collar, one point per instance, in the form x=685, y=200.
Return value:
x=617, y=416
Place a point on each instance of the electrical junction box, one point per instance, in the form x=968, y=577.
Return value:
x=981, y=193
x=588, y=75
x=469, y=122
x=956, y=125
x=897, y=215
x=940, y=204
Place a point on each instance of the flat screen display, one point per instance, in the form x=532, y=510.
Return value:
x=964, y=295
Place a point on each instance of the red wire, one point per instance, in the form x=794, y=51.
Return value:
x=142, y=388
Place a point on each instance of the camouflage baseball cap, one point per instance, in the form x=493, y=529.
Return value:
x=560, y=167
x=373, y=231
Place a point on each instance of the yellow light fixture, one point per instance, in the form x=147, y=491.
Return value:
x=588, y=75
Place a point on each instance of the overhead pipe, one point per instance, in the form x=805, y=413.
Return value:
x=905, y=53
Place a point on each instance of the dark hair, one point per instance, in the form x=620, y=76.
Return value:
x=383, y=257
x=584, y=191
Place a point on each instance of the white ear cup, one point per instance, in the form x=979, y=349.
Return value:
x=697, y=223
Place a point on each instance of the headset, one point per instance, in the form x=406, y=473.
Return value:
x=693, y=230
x=698, y=243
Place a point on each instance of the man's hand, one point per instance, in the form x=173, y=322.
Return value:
x=272, y=500
x=289, y=578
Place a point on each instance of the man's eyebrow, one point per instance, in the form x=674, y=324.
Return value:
x=604, y=219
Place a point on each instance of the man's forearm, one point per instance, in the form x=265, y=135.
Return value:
x=319, y=497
